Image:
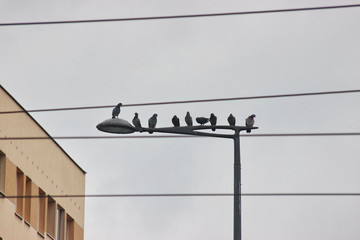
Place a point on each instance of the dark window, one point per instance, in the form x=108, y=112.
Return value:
x=19, y=192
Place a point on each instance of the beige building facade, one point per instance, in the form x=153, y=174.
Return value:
x=43, y=170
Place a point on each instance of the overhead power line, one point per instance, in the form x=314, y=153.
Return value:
x=184, y=136
x=185, y=102
x=188, y=195
x=184, y=16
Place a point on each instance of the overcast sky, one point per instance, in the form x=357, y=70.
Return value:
x=72, y=65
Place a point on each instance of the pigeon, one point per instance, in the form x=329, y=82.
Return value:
x=188, y=119
x=202, y=120
x=176, y=121
x=116, y=110
x=213, y=120
x=250, y=122
x=136, y=121
x=152, y=121
x=231, y=119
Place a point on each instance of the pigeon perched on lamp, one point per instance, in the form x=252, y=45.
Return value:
x=188, y=119
x=152, y=122
x=250, y=122
x=116, y=111
x=202, y=120
x=213, y=120
x=176, y=121
x=136, y=121
x=231, y=120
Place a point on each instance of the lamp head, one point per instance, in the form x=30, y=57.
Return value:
x=116, y=125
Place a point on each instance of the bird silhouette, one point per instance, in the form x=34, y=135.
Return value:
x=176, y=121
x=116, y=111
x=152, y=122
x=136, y=121
x=231, y=119
x=250, y=122
x=188, y=119
x=213, y=120
x=202, y=120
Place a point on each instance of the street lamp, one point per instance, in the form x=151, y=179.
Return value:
x=121, y=126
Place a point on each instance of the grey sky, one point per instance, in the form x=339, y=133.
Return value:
x=167, y=60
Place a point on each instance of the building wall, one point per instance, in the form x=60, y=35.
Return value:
x=33, y=167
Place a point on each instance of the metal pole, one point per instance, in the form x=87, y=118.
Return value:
x=237, y=187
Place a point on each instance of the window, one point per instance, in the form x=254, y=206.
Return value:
x=69, y=228
x=41, y=211
x=19, y=191
x=2, y=173
x=27, y=200
x=60, y=220
x=51, y=216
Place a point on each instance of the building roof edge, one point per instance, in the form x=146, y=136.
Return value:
x=42, y=128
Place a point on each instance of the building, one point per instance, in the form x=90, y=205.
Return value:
x=38, y=168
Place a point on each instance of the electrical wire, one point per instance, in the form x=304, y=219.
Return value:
x=187, y=195
x=183, y=16
x=182, y=136
x=185, y=102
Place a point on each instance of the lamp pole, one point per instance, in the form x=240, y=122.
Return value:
x=120, y=126
x=237, y=186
